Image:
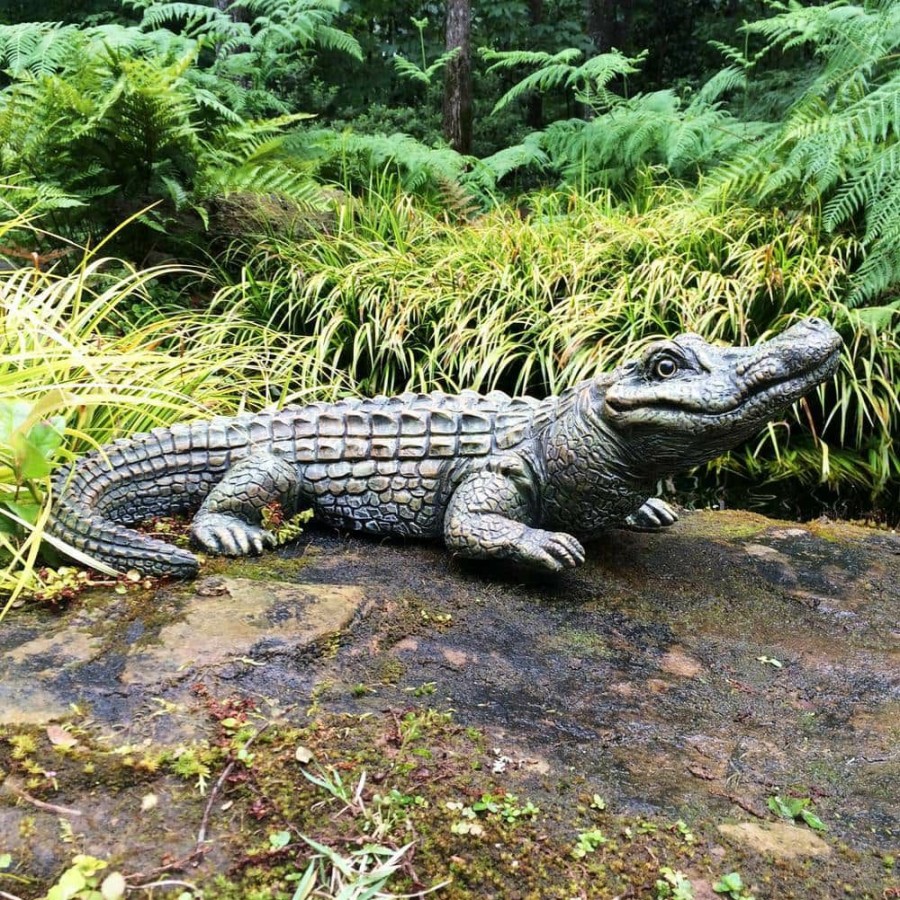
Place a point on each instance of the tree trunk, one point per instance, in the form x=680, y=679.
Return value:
x=535, y=116
x=458, y=78
x=609, y=23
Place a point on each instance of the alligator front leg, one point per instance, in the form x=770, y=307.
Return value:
x=230, y=520
x=654, y=515
x=487, y=518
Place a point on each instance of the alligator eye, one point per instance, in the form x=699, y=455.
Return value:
x=665, y=368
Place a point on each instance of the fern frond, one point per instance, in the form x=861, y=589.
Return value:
x=726, y=80
x=864, y=188
x=547, y=77
x=514, y=59
x=330, y=38
x=410, y=70
x=528, y=154
x=194, y=18
x=38, y=48
x=599, y=70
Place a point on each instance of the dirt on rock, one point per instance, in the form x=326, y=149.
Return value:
x=649, y=705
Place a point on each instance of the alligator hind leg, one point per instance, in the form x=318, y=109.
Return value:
x=652, y=516
x=230, y=520
x=486, y=519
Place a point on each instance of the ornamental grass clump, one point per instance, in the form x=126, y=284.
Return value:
x=87, y=356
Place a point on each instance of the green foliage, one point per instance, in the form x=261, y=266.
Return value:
x=284, y=529
x=136, y=116
x=732, y=886
x=189, y=763
x=259, y=44
x=424, y=73
x=838, y=145
x=29, y=441
x=796, y=808
x=376, y=161
x=588, y=842
x=83, y=880
x=535, y=298
x=621, y=136
x=673, y=885
x=90, y=356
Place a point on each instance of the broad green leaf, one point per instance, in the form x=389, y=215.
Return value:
x=813, y=820
x=70, y=883
x=279, y=839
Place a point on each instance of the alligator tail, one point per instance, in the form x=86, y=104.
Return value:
x=164, y=472
x=116, y=545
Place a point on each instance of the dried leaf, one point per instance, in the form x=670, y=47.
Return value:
x=59, y=737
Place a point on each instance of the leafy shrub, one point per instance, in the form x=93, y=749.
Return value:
x=99, y=122
x=837, y=147
x=619, y=137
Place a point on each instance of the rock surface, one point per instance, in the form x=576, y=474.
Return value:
x=684, y=676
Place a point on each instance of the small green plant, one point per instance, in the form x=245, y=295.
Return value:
x=423, y=73
x=503, y=806
x=284, y=529
x=423, y=690
x=796, y=808
x=673, y=885
x=400, y=800
x=588, y=842
x=732, y=886
x=279, y=839
x=83, y=880
x=359, y=875
x=186, y=762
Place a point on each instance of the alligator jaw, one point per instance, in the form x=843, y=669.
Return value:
x=685, y=401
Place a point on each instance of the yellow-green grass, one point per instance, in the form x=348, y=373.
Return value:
x=71, y=358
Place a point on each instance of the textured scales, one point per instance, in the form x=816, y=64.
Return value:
x=497, y=477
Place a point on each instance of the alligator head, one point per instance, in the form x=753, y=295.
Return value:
x=686, y=401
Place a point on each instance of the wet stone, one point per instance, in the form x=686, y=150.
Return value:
x=113, y=649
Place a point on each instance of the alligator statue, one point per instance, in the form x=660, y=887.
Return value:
x=518, y=479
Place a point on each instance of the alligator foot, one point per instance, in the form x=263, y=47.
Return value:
x=228, y=535
x=652, y=516
x=487, y=518
x=229, y=520
x=549, y=550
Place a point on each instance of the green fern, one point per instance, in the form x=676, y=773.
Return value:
x=253, y=157
x=423, y=75
x=838, y=145
x=417, y=167
x=624, y=138
x=119, y=120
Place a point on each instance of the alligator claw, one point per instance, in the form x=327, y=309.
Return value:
x=229, y=536
x=551, y=550
x=652, y=516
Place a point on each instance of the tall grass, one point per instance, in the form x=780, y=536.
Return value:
x=87, y=356
x=535, y=297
